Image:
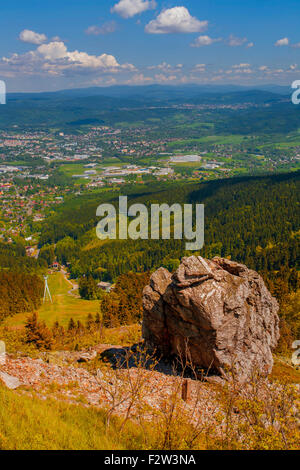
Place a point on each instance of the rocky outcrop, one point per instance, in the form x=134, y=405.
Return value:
x=218, y=311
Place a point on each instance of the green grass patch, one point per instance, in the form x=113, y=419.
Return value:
x=64, y=306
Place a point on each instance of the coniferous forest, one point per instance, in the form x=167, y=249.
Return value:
x=19, y=293
x=253, y=220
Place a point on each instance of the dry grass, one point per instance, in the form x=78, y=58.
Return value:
x=28, y=423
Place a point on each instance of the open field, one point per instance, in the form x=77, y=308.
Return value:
x=70, y=169
x=64, y=306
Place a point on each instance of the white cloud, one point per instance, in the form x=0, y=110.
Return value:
x=175, y=20
x=164, y=66
x=31, y=37
x=297, y=45
x=130, y=8
x=282, y=42
x=248, y=70
x=237, y=69
x=234, y=41
x=76, y=59
x=139, y=79
x=241, y=66
x=204, y=41
x=53, y=50
x=54, y=58
x=106, y=28
x=217, y=78
x=100, y=81
x=200, y=68
x=162, y=78
x=293, y=66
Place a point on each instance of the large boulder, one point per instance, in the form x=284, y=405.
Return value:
x=217, y=312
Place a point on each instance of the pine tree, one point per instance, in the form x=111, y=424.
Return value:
x=72, y=325
x=98, y=320
x=90, y=322
x=38, y=333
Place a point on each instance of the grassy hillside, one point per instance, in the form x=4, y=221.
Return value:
x=33, y=424
x=29, y=423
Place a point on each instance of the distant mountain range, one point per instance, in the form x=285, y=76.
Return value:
x=157, y=92
x=72, y=109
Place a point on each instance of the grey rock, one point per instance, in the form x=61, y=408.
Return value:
x=10, y=381
x=217, y=311
x=86, y=357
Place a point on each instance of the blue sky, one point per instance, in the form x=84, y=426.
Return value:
x=55, y=44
